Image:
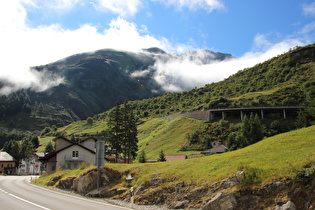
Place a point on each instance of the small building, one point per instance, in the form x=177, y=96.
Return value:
x=217, y=147
x=7, y=163
x=120, y=159
x=69, y=154
x=175, y=157
x=31, y=165
x=151, y=161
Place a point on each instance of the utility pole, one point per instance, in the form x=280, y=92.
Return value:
x=99, y=160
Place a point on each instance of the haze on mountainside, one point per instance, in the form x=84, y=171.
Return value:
x=173, y=72
x=37, y=33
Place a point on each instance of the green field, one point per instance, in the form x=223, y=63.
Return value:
x=157, y=134
x=275, y=158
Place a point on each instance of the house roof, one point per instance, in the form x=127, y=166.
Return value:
x=219, y=149
x=4, y=156
x=151, y=161
x=64, y=138
x=40, y=154
x=175, y=157
x=95, y=138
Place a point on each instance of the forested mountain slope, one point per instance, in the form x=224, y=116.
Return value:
x=92, y=83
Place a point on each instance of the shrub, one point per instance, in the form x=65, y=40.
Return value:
x=45, y=130
x=89, y=120
x=83, y=166
x=252, y=175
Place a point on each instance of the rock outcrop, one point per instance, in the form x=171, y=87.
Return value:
x=54, y=180
x=295, y=194
x=87, y=183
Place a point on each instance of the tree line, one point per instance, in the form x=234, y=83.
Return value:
x=122, y=131
x=23, y=149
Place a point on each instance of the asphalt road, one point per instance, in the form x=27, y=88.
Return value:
x=17, y=193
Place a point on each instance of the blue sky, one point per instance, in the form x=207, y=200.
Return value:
x=37, y=32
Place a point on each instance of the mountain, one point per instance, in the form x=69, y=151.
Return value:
x=85, y=84
x=285, y=80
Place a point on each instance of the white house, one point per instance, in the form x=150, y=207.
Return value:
x=70, y=155
x=31, y=165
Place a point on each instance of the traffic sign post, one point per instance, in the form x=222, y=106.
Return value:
x=99, y=160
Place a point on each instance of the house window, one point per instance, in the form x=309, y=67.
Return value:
x=9, y=165
x=1, y=165
x=75, y=154
x=53, y=168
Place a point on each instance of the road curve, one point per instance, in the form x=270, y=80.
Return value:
x=17, y=193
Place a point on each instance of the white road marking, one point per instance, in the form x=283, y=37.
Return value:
x=17, y=197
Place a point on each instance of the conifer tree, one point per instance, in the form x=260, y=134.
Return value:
x=49, y=147
x=115, y=130
x=129, y=132
x=162, y=156
x=142, y=157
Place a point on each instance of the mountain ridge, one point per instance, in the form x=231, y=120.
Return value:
x=91, y=83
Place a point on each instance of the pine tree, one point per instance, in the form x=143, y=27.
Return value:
x=142, y=158
x=122, y=131
x=49, y=147
x=115, y=130
x=129, y=132
x=161, y=156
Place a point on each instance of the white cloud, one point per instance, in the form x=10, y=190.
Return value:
x=52, y=4
x=178, y=75
x=309, y=9
x=124, y=8
x=61, y=4
x=208, y=5
x=308, y=28
x=23, y=47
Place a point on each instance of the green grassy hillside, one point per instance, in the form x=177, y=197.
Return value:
x=157, y=134
x=153, y=134
x=273, y=158
x=262, y=85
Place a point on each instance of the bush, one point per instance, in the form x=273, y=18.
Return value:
x=49, y=148
x=45, y=130
x=83, y=166
x=251, y=176
x=306, y=173
x=89, y=120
